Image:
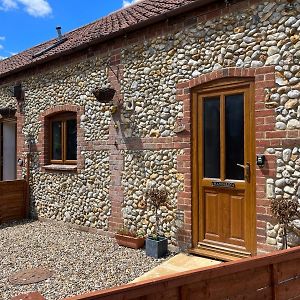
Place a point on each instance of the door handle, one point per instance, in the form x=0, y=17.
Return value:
x=242, y=166
x=246, y=171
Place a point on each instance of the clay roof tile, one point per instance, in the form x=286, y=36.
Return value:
x=105, y=27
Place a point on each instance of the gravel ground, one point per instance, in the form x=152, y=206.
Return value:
x=80, y=261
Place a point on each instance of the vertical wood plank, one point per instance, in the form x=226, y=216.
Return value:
x=12, y=200
x=274, y=280
x=195, y=170
x=222, y=138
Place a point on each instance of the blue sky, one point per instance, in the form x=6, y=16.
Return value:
x=25, y=23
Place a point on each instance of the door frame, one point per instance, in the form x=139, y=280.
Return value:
x=221, y=84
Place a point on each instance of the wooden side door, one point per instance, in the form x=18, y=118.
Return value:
x=8, y=167
x=225, y=168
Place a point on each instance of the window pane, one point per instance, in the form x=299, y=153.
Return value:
x=71, y=140
x=234, y=116
x=211, y=128
x=56, y=140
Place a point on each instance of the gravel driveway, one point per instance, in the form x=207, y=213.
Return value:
x=80, y=261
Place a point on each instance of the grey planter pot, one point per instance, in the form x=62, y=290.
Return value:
x=157, y=248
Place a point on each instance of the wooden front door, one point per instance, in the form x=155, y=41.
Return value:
x=224, y=167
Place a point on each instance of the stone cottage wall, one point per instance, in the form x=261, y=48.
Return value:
x=137, y=146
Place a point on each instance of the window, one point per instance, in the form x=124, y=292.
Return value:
x=63, y=139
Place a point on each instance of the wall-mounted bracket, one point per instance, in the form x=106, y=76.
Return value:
x=117, y=74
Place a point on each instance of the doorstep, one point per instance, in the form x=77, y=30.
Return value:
x=179, y=263
x=219, y=255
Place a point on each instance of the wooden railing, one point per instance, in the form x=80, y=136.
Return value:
x=274, y=276
x=13, y=204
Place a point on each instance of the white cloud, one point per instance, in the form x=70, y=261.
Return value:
x=2, y=57
x=127, y=3
x=36, y=8
x=8, y=4
x=2, y=38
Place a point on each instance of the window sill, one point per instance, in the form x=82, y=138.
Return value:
x=56, y=167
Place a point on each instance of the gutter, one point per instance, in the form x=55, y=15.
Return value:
x=182, y=9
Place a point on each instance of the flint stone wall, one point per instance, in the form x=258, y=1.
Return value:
x=264, y=34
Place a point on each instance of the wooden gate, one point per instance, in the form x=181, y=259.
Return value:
x=13, y=204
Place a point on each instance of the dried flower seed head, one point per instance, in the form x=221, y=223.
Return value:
x=157, y=197
x=283, y=210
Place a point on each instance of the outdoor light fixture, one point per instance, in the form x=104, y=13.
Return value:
x=260, y=160
x=18, y=92
x=129, y=105
x=20, y=162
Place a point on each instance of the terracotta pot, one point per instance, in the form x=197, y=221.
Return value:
x=130, y=241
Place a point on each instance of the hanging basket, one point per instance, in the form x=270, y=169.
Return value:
x=7, y=112
x=104, y=95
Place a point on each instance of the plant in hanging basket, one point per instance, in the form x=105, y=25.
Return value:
x=7, y=112
x=104, y=95
x=129, y=238
x=157, y=244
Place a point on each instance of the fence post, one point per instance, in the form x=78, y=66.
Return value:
x=27, y=183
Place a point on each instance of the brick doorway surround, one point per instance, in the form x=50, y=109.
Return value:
x=265, y=136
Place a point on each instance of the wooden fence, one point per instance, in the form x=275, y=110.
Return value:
x=13, y=204
x=274, y=276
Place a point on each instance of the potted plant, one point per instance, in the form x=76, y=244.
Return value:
x=284, y=210
x=130, y=238
x=156, y=244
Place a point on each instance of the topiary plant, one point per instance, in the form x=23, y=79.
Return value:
x=157, y=198
x=284, y=210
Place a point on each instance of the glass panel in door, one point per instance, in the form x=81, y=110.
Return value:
x=234, y=136
x=211, y=134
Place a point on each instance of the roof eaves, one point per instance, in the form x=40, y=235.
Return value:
x=182, y=9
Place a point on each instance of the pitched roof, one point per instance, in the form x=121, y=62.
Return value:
x=140, y=14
